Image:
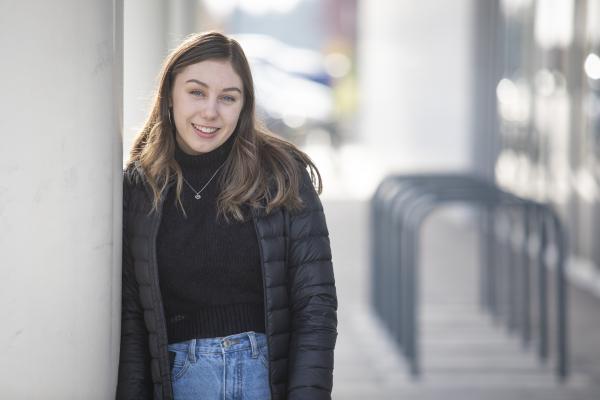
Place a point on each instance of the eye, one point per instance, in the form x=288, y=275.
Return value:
x=228, y=99
x=197, y=93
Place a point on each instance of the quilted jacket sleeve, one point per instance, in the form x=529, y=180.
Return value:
x=134, y=381
x=313, y=301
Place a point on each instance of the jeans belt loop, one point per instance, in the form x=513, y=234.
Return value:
x=192, y=351
x=253, y=345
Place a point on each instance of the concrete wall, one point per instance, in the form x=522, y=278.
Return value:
x=60, y=198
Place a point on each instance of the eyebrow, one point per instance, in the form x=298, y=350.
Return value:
x=229, y=89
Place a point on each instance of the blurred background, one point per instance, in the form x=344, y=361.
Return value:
x=504, y=90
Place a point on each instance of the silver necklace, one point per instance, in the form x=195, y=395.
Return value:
x=197, y=192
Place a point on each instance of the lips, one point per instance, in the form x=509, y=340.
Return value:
x=204, y=131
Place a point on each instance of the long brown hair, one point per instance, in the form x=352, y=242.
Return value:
x=260, y=171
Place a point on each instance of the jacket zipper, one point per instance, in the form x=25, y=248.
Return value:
x=162, y=320
x=262, y=269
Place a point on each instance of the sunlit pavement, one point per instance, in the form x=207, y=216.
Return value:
x=465, y=355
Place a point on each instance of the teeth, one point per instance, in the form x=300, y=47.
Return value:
x=205, y=129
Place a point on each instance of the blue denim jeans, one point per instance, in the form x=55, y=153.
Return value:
x=227, y=368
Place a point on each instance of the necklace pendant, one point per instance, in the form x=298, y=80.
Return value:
x=197, y=195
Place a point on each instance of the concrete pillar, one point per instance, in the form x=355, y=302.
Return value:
x=487, y=56
x=182, y=20
x=60, y=198
x=145, y=50
x=415, y=82
x=145, y=47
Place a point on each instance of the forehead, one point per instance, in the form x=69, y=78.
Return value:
x=216, y=74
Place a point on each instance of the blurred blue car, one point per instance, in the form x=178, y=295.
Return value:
x=293, y=95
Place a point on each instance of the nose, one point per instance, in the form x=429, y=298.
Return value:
x=209, y=109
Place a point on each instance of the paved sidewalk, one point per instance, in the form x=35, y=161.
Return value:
x=465, y=356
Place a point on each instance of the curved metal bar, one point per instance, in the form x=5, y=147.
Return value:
x=400, y=207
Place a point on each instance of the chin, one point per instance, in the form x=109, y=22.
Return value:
x=206, y=147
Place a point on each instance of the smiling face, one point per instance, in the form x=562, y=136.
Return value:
x=207, y=98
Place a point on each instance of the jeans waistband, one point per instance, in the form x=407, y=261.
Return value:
x=237, y=342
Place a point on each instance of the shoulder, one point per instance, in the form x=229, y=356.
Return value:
x=308, y=221
x=134, y=178
x=134, y=184
x=133, y=174
x=291, y=179
x=279, y=157
x=309, y=180
x=308, y=191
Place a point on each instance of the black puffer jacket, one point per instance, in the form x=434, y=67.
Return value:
x=300, y=299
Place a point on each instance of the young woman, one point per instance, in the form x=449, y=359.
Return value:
x=228, y=287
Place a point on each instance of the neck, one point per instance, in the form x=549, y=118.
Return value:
x=206, y=161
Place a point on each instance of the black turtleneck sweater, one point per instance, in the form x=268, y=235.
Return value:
x=209, y=269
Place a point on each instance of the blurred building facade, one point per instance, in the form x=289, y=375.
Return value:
x=548, y=107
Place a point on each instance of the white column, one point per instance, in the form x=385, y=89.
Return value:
x=60, y=198
x=145, y=47
x=152, y=29
x=182, y=20
x=415, y=82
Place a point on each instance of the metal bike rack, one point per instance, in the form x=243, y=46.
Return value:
x=399, y=208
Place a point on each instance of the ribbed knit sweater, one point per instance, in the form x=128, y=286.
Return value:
x=209, y=269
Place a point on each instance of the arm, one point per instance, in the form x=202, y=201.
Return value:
x=134, y=380
x=313, y=301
